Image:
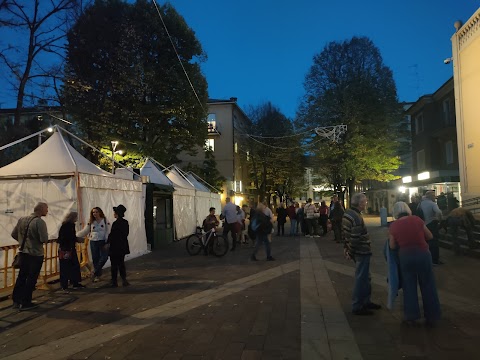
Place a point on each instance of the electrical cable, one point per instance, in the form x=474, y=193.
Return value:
x=286, y=148
x=176, y=52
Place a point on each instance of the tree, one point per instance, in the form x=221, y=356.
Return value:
x=124, y=81
x=44, y=28
x=349, y=84
x=275, y=153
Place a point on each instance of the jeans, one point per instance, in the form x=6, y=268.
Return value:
x=363, y=288
x=337, y=229
x=99, y=256
x=280, y=228
x=417, y=264
x=433, y=243
x=293, y=227
x=258, y=241
x=27, y=279
x=230, y=228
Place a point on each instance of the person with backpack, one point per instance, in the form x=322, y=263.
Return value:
x=431, y=214
x=260, y=227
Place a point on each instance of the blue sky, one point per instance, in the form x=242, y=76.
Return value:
x=260, y=50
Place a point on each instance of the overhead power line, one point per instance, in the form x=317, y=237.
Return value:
x=176, y=52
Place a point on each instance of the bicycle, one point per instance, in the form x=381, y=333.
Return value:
x=200, y=240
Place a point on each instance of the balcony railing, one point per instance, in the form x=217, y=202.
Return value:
x=212, y=130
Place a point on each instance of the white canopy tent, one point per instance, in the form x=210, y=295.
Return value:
x=204, y=199
x=57, y=174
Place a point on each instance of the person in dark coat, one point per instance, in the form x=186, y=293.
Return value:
x=67, y=253
x=281, y=219
x=118, y=245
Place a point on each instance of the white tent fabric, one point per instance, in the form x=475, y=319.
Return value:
x=57, y=174
x=197, y=184
x=156, y=176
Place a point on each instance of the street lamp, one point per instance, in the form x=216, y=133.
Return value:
x=114, y=146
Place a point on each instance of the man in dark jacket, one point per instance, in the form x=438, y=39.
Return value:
x=261, y=225
x=357, y=247
x=336, y=216
x=117, y=244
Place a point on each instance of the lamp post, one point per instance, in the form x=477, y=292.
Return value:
x=114, y=146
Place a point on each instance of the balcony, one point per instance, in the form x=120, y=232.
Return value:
x=213, y=130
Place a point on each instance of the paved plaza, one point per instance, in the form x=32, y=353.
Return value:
x=297, y=307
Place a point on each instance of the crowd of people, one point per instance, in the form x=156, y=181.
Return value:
x=105, y=241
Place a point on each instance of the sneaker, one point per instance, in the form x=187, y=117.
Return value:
x=96, y=279
x=309, y=236
x=15, y=305
x=30, y=306
x=65, y=291
x=362, y=311
x=79, y=286
x=125, y=283
x=316, y=235
x=113, y=285
x=373, y=306
x=253, y=258
x=270, y=258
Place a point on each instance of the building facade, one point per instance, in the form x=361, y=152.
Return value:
x=227, y=126
x=466, y=74
x=434, y=145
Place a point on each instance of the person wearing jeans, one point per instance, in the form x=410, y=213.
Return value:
x=31, y=233
x=97, y=230
x=357, y=247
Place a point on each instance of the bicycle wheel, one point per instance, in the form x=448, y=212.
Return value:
x=194, y=244
x=220, y=245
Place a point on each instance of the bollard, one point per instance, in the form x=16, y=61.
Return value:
x=383, y=216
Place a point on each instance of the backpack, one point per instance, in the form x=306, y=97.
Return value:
x=260, y=224
x=419, y=212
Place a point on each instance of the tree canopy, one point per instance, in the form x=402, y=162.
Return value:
x=349, y=84
x=276, y=158
x=124, y=81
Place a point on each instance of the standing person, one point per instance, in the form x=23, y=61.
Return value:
x=31, y=233
x=246, y=212
x=410, y=235
x=312, y=221
x=268, y=212
x=324, y=217
x=292, y=214
x=229, y=213
x=336, y=216
x=301, y=220
x=209, y=223
x=414, y=204
x=117, y=245
x=357, y=248
x=262, y=226
x=97, y=230
x=281, y=219
x=240, y=223
x=67, y=253
x=432, y=216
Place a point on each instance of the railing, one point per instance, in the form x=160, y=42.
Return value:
x=50, y=269
x=472, y=204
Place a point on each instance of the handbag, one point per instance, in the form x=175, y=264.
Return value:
x=17, y=260
x=65, y=254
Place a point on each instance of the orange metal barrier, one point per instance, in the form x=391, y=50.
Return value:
x=50, y=269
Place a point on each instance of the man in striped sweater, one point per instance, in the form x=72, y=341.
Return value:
x=357, y=248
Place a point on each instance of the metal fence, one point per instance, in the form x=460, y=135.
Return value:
x=50, y=269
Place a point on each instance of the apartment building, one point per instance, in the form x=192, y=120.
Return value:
x=227, y=126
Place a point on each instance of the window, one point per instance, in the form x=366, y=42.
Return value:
x=419, y=123
x=447, y=112
x=212, y=123
x=210, y=143
x=449, y=152
x=421, y=160
x=236, y=148
x=248, y=155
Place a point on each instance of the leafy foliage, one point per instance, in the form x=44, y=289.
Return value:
x=123, y=79
x=349, y=84
x=276, y=164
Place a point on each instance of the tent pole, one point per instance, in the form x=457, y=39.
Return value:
x=23, y=139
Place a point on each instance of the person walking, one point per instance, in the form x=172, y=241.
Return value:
x=281, y=219
x=432, y=216
x=97, y=230
x=262, y=226
x=336, y=216
x=292, y=214
x=67, y=253
x=117, y=245
x=323, y=217
x=31, y=233
x=229, y=215
x=357, y=247
x=410, y=235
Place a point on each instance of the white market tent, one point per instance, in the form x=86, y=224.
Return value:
x=57, y=174
x=204, y=199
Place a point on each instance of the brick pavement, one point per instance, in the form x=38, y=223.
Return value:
x=182, y=307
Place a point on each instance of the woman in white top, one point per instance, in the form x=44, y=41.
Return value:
x=97, y=230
